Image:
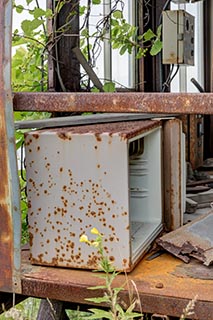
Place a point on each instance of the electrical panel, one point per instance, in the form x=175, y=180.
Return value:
x=178, y=37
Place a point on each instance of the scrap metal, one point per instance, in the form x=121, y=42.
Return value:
x=194, y=240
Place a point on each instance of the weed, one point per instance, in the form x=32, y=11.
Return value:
x=110, y=295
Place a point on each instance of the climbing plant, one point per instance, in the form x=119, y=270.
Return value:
x=33, y=41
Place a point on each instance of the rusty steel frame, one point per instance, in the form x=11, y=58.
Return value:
x=10, y=217
x=175, y=103
x=160, y=288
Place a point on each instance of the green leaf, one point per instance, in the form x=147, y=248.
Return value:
x=120, y=310
x=94, y=89
x=48, y=13
x=114, y=22
x=82, y=10
x=148, y=35
x=118, y=14
x=96, y=1
x=123, y=49
x=98, y=314
x=19, y=8
x=98, y=300
x=97, y=287
x=109, y=87
x=85, y=32
x=133, y=315
x=117, y=290
x=29, y=1
x=115, y=31
x=156, y=47
x=159, y=30
x=140, y=53
x=38, y=13
x=29, y=25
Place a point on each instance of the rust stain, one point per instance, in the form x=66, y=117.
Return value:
x=36, y=136
x=126, y=130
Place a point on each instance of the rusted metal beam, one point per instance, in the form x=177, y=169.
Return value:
x=176, y=103
x=159, y=284
x=10, y=226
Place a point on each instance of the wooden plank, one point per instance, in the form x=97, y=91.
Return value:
x=10, y=226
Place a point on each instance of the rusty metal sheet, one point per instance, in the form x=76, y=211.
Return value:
x=176, y=103
x=10, y=226
x=192, y=240
x=161, y=290
x=195, y=270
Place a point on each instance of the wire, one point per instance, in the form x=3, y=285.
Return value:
x=197, y=85
x=169, y=79
x=164, y=8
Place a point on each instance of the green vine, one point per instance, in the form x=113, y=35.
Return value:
x=34, y=44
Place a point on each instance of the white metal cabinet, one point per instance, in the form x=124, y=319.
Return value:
x=106, y=176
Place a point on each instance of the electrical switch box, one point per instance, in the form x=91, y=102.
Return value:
x=107, y=176
x=178, y=37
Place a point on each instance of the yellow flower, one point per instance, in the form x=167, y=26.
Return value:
x=84, y=238
x=95, y=231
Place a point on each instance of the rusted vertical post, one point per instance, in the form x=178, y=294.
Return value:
x=174, y=173
x=10, y=224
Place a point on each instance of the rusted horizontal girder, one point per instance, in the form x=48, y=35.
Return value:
x=165, y=285
x=177, y=103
